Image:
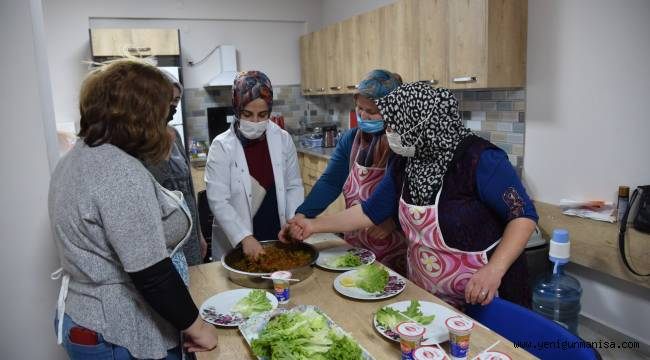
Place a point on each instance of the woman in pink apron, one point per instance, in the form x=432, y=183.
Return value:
x=461, y=205
x=356, y=167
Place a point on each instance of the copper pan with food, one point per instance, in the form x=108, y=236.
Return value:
x=297, y=258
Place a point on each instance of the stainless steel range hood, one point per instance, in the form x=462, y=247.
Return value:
x=228, y=61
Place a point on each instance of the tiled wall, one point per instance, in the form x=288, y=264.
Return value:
x=300, y=113
x=196, y=101
x=496, y=115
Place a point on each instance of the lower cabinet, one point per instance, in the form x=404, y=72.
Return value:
x=311, y=168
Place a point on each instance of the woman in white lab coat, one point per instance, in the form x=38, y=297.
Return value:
x=252, y=176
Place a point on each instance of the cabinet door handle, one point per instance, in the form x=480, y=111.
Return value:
x=335, y=88
x=464, y=79
x=306, y=90
x=352, y=87
x=320, y=89
x=430, y=82
x=138, y=49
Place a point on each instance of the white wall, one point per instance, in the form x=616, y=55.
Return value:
x=587, y=124
x=616, y=303
x=588, y=108
x=337, y=10
x=67, y=23
x=28, y=296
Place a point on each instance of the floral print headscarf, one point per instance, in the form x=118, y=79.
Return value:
x=248, y=86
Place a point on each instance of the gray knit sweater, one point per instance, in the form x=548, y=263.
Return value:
x=110, y=217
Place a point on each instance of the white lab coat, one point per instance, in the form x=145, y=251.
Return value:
x=228, y=185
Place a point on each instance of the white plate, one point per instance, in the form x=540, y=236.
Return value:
x=435, y=333
x=396, y=284
x=216, y=310
x=325, y=256
x=252, y=327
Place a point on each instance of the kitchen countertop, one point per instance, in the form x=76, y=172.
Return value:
x=353, y=316
x=594, y=244
x=198, y=167
x=321, y=152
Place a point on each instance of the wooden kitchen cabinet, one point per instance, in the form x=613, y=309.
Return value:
x=350, y=72
x=398, y=40
x=311, y=168
x=313, y=54
x=368, y=55
x=487, y=43
x=460, y=44
x=333, y=42
x=433, y=41
x=142, y=42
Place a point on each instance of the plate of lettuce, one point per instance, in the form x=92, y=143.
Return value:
x=370, y=282
x=231, y=308
x=301, y=333
x=430, y=315
x=344, y=258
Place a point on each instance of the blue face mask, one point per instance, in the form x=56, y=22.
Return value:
x=370, y=126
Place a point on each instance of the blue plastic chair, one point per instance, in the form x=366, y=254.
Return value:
x=524, y=326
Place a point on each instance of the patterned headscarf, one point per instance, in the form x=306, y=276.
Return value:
x=249, y=86
x=379, y=83
x=437, y=129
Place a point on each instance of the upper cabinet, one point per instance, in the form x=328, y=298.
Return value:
x=487, y=43
x=398, y=40
x=139, y=42
x=433, y=40
x=451, y=43
x=313, y=70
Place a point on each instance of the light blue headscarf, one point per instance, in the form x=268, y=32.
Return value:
x=379, y=83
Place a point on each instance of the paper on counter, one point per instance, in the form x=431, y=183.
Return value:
x=595, y=210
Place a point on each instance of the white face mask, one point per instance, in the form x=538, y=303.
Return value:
x=252, y=130
x=395, y=142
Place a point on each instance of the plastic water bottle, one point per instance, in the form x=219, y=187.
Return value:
x=557, y=295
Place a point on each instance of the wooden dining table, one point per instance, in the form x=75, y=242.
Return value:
x=353, y=316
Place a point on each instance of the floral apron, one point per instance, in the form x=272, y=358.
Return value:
x=434, y=266
x=361, y=182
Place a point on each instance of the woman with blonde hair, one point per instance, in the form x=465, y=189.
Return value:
x=116, y=228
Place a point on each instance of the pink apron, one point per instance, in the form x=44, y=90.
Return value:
x=391, y=250
x=434, y=266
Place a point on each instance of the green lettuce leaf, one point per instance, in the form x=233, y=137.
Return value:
x=303, y=336
x=390, y=318
x=347, y=260
x=413, y=311
x=371, y=278
x=343, y=348
x=255, y=302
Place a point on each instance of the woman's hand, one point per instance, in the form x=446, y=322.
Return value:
x=300, y=228
x=483, y=285
x=382, y=230
x=252, y=248
x=285, y=234
x=200, y=337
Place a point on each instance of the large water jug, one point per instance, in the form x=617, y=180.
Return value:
x=557, y=295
